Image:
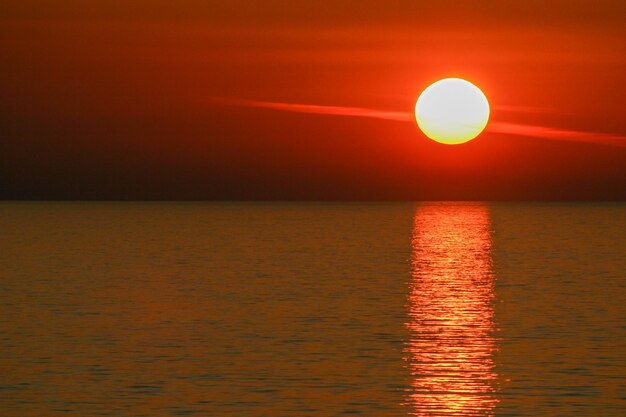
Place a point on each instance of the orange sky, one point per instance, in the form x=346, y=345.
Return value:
x=298, y=100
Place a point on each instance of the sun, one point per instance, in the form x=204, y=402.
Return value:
x=452, y=111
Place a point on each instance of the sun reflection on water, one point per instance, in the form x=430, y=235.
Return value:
x=451, y=318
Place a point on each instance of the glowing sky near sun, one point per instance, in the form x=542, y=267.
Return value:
x=281, y=100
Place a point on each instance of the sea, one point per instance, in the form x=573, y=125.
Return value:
x=312, y=309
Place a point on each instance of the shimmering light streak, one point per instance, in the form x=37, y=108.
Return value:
x=451, y=318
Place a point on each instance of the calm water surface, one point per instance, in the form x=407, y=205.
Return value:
x=287, y=309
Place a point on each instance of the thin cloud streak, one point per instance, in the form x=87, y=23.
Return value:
x=555, y=134
x=317, y=109
x=504, y=128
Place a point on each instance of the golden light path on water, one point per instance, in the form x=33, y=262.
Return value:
x=451, y=318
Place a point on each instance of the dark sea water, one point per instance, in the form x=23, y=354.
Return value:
x=312, y=309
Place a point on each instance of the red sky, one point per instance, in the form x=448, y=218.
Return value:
x=307, y=100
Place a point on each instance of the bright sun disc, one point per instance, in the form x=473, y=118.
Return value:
x=452, y=111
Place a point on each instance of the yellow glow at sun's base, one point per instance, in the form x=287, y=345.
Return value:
x=452, y=111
